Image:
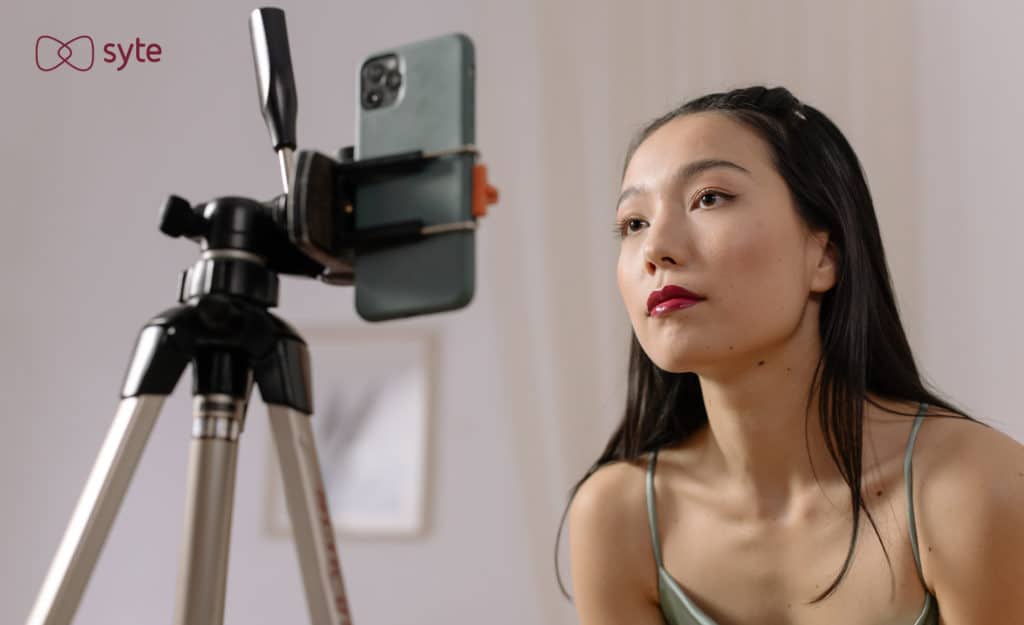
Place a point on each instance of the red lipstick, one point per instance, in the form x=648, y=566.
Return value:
x=670, y=297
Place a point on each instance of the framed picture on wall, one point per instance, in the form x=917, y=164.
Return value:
x=372, y=401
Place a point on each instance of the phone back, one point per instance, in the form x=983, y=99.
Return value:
x=417, y=96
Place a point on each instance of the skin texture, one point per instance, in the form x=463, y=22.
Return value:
x=752, y=524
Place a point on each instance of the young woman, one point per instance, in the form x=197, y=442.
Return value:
x=774, y=410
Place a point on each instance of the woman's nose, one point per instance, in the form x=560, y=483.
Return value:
x=663, y=245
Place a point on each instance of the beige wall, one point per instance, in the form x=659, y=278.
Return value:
x=531, y=375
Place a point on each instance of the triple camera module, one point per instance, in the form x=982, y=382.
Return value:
x=381, y=81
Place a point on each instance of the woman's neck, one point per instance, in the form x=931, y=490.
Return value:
x=764, y=441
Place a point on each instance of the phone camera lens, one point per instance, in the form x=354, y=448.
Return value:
x=372, y=98
x=374, y=72
x=394, y=79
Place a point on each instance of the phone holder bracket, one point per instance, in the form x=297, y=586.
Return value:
x=319, y=213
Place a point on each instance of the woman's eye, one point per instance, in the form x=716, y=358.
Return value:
x=624, y=227
x=704, y=199
x=712, y=197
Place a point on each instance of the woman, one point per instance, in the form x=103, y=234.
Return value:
x=774, y=409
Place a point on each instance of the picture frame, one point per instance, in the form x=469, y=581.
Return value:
x=373, y=399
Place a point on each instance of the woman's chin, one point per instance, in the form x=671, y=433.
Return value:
x=673, y=363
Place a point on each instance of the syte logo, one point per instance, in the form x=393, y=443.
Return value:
x=79, y=53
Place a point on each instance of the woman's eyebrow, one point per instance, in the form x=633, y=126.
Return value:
x=683, y=174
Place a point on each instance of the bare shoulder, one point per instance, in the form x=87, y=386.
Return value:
x=612, y=559
x=969, y=499
x=957, y=452
x=958, y=461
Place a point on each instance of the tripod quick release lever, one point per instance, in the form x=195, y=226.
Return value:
x=276, y=82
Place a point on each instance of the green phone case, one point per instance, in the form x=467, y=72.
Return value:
x=434, y=110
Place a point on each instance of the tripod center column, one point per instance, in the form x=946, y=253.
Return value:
x=220, y=417
x=216, y=427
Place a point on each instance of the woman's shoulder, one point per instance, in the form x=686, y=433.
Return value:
x=948, y=445
x=956, y=459
x=608, y=523
x=969, y=503
x=613, y=497
x=959, y=451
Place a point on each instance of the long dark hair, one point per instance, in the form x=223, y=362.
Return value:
x=864, y=347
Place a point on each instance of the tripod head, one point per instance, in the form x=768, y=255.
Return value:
x=244, y=242
x=309, y=230
x=243, y=247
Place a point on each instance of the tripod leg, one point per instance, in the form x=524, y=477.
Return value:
x=156, y=365
x=222, y=382
x=90, y=522
x=310, y=516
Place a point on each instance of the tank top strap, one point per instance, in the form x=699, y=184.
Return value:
x=908, y=476
x=651, y=510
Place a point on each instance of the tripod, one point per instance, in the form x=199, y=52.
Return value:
x=224, y=329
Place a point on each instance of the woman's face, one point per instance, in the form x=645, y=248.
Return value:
x=702, y=207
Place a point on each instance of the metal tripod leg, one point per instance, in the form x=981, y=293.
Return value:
x=310, y=516
x=95, y=511
x=212, y=467
x=155, y=367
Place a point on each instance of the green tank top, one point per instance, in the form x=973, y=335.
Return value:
x=678, y=609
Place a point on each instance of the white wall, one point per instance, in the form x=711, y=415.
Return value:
x=532, y=374
x=968, y=165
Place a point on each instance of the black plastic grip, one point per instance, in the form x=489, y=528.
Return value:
x=274, y=77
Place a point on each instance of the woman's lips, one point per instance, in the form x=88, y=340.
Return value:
x=671, y=305
x=671, y=297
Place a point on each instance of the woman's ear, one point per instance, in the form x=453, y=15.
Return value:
x=826, y=258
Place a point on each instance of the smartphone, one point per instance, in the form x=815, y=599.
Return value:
x=418, y=96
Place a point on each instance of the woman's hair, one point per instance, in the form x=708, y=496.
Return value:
x=864, y=348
